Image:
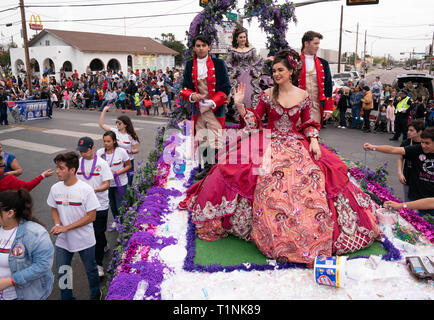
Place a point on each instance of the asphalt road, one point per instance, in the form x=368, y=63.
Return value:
x=72, y=125
x=67, y=126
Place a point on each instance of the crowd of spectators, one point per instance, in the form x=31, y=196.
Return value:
x=360, y=99
x=94, y=90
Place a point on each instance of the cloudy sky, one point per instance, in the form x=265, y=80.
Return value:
x=392, y=26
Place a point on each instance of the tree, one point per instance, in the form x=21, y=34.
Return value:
x=168, y=39
x=5, y=56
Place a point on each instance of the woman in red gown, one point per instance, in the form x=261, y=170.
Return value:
x=297, y=202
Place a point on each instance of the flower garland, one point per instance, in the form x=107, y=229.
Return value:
x=273, y=20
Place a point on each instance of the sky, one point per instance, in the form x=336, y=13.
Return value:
x=392, y=26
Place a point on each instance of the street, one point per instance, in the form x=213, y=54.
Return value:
x=36, y=143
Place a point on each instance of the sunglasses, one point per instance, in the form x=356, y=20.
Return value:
x=119, y=122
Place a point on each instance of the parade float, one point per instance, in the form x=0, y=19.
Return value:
x=158, y=256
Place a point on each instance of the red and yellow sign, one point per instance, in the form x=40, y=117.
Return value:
x=361, y=2
x=34, y=22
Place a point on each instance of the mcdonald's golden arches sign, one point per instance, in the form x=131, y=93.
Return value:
x=34, y=22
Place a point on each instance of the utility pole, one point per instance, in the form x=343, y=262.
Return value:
x=431, y=53
x=364, y=51
x=26, y=47
x=340, y=40
x=357, y=42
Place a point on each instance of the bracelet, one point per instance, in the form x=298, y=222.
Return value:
x=404, y=205
x=373, y=149
x=57, y=225
x=13, y=282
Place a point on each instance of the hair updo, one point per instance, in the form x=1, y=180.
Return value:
x=292, y=61
x=239, y=30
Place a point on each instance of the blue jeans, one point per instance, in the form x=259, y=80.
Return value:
x=355, y=116
x=116, y=201
x=64, y=257
x=131, y=177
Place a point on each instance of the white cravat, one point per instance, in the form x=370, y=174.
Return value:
x=202, y=70
x=310, y=63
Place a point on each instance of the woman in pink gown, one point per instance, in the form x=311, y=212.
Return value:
x=298, y=202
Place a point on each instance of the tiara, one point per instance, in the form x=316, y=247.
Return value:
x=294, y=63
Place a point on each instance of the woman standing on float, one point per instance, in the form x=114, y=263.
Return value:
x=298, y=203
x=245, y=66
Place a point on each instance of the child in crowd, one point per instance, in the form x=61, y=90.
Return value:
x=390, y=116
x=380, y=123
x=66, y=99
x=164, y=99
x=156, y=100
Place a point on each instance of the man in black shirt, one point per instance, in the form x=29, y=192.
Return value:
x=45, y=95
x=415, y=129
x=3, y=107
x=421, y=175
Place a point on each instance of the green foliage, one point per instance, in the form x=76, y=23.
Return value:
x=170, y=42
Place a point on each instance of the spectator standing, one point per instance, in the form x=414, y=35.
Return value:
x=419, y=111
x=3, y=107
x=73, y=209
x=26, y=251
x=356, y=107
x=343, y=104
x=403, y=106
x=415, y=129
x=164, y=99
x=156, y=100
x=45, y=95
x=421, y=177
x=390, y=115
x=367, y=105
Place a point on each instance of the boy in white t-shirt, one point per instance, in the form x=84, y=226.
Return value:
x=96, y=172
x=73, y=209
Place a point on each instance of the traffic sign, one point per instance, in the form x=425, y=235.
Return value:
x=232, y=16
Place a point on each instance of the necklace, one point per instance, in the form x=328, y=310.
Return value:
x=104, y=156
x=91, y=170
x=16, y=228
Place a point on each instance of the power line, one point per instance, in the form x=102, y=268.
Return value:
x=94, y=4
x=8, y=9
x=388, y=38
x=119, y=18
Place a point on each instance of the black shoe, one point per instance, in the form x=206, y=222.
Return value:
x=98, y=297
x=393, y=139
x=203, y=173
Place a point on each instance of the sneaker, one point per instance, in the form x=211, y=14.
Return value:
x=343, y=127
x=100, y=271
x=339, y=127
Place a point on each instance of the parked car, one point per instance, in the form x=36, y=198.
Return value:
x=426, y=79
x=389, y=68
x=345, y=77
x=407, y=67
x=356, y=76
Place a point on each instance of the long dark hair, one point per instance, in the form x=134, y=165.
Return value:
x=113, y=136
x=282, y=57
x=239, y=30
x=129, y=127
x=21, y=202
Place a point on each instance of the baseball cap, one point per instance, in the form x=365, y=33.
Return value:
x=85, y=144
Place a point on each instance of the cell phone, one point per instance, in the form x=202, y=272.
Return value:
x=421, y=267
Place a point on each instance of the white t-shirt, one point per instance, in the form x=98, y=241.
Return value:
x=310, y=63
x=116, y=163
x=73, y=203
x=102, y=173
x=7, y=237
x=125, y=141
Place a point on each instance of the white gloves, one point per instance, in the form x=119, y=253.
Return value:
x=206, y=105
